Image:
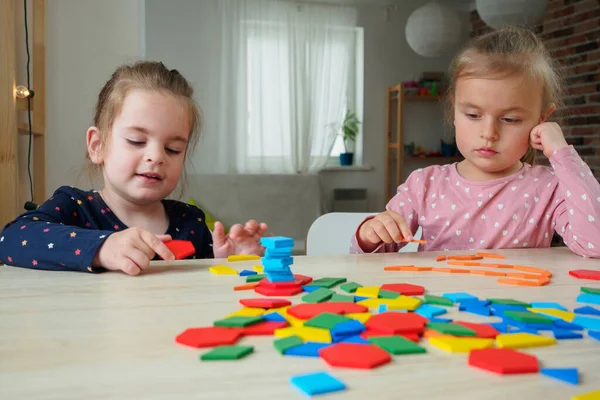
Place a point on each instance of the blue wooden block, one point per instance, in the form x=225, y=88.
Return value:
x=310, y=289
x=499, y=309
x=440, y=320
x=546, y=304
x=566, y=334
x=382, y=308
x=277, y=264
x=588, y=298
x=594, y=334
x=500, y=326
x=274, y=317
x=360, y=298
x=474, y=302
x=276, y=242
x=458, y=296
x=355, y=339
x=247, y=272
x=569, y=375
x=525, y=330
x=559, y=323
x=287, y=277
x=317, y=383
x=429, y=311
x=588, y=322
x=485, y=311
x=284, y=252
x=587, y=310
x=347, y=328
x=308, y=349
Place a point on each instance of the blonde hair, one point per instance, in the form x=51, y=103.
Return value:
x=148, y=75
x=505, y=52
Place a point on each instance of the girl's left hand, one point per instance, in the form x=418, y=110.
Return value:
x=240, y=240
x=548, y=137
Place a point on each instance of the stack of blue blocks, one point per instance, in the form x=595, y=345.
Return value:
x=278, y=258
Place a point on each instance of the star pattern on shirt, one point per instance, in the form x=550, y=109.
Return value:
x=73, y=234
x=24, y=243
x=34, y=262
x=50, y=245
x=77, y=252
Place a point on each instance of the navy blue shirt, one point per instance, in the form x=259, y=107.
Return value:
x=65, y=232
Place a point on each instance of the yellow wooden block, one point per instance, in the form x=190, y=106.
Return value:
x=400, y=303
x=460, y=345
x=222, y=270
x=307, y=333
x=564, y=315
x=242, y=257
x=523, y=340
x=595, y=395
x=362, y=317
x=247, y=312
x=293, y=321
x=368, y=291
x=258, y=268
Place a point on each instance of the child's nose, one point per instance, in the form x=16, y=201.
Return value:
x=490, y=130
x=155, y=155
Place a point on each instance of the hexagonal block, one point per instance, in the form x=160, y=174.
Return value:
x=504, y=361
x=395, y=322
x=353, y=355
x=209, y=336
x=404, y=288
x=306, y=310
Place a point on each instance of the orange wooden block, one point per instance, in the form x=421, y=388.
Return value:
x=440, y=258
x=423, y=268
x=523, y=276
x=490, y=255
x=464, y=263
x=494, y=273
x=246, y=286
x=532, y=269
x=451, y=270
x=397, y=267
x=465, y=258
x=415, y=241
x=520, y=282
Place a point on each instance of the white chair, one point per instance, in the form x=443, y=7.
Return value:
x=331, y=234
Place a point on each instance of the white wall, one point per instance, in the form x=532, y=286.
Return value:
x=86, y=40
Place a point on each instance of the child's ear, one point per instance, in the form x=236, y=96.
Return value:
x=548, y=112
x=94, y=145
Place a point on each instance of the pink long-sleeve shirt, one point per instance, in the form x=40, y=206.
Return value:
x=520, y=210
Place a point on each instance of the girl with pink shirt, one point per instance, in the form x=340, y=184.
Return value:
x=503, y=88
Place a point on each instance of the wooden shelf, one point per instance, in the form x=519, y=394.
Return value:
x=24, y=130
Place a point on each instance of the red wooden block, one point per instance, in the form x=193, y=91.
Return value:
x=371, y=333
x=397, y=323
x=504, y=361
x=354, y=355
x=263, y=328
x=300, y=280
x=267, y=291
x=308, y=310
x=404, y=288
x=481, y=330
x=265, y=303
x=585, y=274
x=209, y=336
x=181, y=248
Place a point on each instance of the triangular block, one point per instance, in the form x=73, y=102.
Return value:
x=569, y=375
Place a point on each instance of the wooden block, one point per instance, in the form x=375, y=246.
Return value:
x=368, y=291
x=258, y=268
x=227, y=353
x=224, y=270
x=318, y=296
x=350, y=287
x=360, y=317
x=308, y=334
x=238, y=321
x=564, y=315
x=242, y=257
x=246, y=286
x=247, y=312
x=461, y=345
x=287, y=343
x=397, y=345
x=490, y=255
x=522, y=340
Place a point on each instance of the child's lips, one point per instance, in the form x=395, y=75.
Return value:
x=486, y=152
x=150, y=176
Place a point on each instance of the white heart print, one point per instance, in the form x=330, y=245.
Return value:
x=575, y=237
x=536, y=199
x=467, y=190
x=500, y=206
x=442, y=196
x=422, y=218
x=531, y=221
x=479, y=203
x=496, y=225
x=591, y=219
x=513, y=188
x=471, y=240
x=447, y=223
x=515, y=216
x=568, y=193
x=516, y=241
x=467, y=216
x=453, y=206
x=571, y=211
x=458, y=232
x=526, y=195
x=482, y=216
x=432, y=178
x=433, y=205
x=401, y=204
x=584, y=197
x=590, y=246
x=526, y=205
x=504, y=232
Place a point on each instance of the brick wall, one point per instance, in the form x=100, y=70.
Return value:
x=571, y=30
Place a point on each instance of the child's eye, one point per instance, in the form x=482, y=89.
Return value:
x=172, y=151
x=512, y=120
x=135, y=142
x=471, y=115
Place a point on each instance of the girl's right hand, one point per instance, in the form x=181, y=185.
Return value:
x=387, y=227
x=132, y=250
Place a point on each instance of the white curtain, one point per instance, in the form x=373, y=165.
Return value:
x=284, y=83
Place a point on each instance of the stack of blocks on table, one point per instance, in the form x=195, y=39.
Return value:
x=278, y=258
x=365, y=326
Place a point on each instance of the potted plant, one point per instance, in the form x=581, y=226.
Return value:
x=349, y=132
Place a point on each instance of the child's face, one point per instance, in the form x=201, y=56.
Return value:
x=493, y=119
x=146, y=147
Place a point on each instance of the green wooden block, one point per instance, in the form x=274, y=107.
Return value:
x=318, y=296
x=451, y=329
x=350, y=287
x=590, y=290
x=326, y=320
x=342, y=298
x=227, y=353
x=255, y=278
x=438, y=300
x=238, y=321
x=287, y=343
x=528, y=317
x=327, y=282
x=510, y=302
x=397, y=345
x=388, y=294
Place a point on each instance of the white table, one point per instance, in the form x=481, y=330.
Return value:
x=111, y=336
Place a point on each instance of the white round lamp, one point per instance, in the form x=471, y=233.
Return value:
x=497, y=13
x=432, y=30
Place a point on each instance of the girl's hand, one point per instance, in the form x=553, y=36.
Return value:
x=387, y=227
x=548, y=137
x=132, y=250
x=240, y=240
